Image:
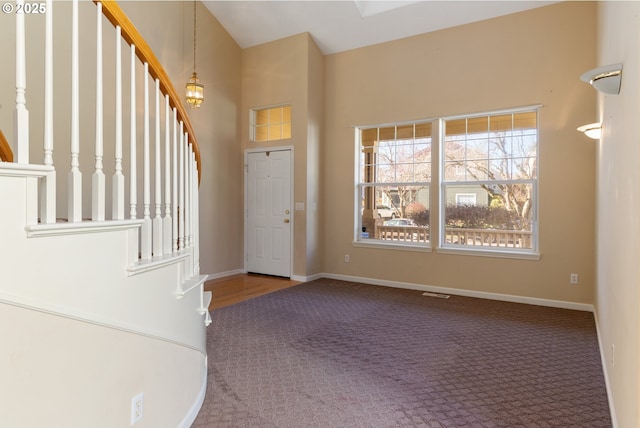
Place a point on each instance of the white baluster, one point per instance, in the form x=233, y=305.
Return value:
x=146, y=230
x=133, y=180
x=48, y=185
x=21, y=114
x=196, y=219
x=181, y=190
x=187, y=206
x=166, y=233
x=157, y=198
x=48, y=85
x=174, y=231
x=117, y=198
x=187, y=193
x=194, y=212
x=75, y=176
x=98, y=181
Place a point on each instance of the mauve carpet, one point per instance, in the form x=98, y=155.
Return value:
x=330, y=353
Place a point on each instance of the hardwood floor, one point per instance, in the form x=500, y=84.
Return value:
x=237, y=288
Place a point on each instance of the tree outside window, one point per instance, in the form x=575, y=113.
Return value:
x=395, y=174
x=494, y=156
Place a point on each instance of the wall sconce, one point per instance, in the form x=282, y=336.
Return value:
x=605, y=79
x=592, y=130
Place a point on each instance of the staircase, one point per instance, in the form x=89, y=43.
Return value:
x=101, y=298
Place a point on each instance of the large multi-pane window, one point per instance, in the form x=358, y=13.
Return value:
x=393, y=184
x=489, y=181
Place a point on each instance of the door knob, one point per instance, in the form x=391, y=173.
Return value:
x=286, y=220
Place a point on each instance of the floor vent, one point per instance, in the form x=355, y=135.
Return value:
x=438, y=295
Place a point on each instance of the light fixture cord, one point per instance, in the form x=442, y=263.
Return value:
x=194, y=36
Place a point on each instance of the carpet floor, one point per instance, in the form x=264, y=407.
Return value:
x=330, y=353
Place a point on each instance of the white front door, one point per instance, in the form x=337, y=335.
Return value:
x=269, y=213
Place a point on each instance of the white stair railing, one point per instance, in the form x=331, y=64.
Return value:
x=21, y=114
x=98, y=180
x=47, y=185
x=133, y=143
x=74, y=189
x=167, y=222
x=172, y=231
x=117, y=197
x=158, y=242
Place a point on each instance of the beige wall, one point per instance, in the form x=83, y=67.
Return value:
x=288, y=71
x=618, y=226
x=315, y=143
x=534, y=57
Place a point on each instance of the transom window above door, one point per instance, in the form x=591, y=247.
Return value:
x=270, y=123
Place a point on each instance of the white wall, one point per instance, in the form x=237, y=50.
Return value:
x=60, y=372
x=618, y=216
x=80, y=336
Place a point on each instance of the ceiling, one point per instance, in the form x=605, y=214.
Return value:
x=340, y=25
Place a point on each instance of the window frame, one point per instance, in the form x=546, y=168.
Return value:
x=437, y=192
x=361, y=185
x=508, y=252
x=253, y=125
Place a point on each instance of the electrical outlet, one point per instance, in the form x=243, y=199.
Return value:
x=136, y=408
x=347, y=259
x=573, y=278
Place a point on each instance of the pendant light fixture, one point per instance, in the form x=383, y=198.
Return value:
x=195, y=89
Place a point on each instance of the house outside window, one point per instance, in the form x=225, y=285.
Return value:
x=468, y=199
x=394, y=178
x=493, y=159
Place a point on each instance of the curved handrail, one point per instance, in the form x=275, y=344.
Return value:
x=6, y=154
x=112, y=11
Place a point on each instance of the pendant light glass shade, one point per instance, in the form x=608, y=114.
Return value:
x=194, y=89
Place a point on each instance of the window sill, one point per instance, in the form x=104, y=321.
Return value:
x=389, y=246
x=532, y=255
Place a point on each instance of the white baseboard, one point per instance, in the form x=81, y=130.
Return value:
x=463, y=292
x=307, y=278
x=239, y=271
x=192, y=414
x=603, y=360
x=225, y=274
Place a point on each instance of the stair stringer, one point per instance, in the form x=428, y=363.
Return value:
x=69, y=293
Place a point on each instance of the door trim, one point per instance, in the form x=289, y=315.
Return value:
x=245, y=167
